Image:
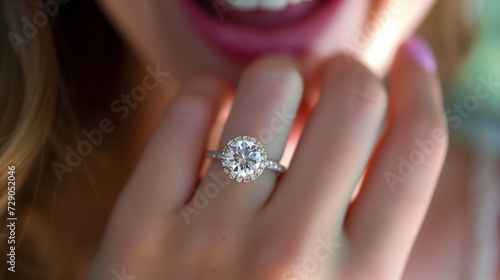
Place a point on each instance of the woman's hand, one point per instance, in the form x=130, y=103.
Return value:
x=167, y=224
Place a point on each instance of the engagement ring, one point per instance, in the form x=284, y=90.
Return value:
x=244, y=159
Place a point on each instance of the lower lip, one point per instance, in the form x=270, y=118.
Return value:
x=245, y=42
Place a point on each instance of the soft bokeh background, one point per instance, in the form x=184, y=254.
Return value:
x=468, y=55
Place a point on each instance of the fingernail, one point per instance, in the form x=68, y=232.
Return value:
x=420, y=50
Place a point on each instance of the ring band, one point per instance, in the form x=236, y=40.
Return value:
x=244, y=159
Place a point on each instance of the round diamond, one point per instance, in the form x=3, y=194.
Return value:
x=244, y=158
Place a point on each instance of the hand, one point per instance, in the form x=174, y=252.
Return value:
x=304, y=225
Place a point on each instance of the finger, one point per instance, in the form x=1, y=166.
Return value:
x=386, y=216
x=169, y=166
x=334, y=148
x=265, y=105
x=165, y=174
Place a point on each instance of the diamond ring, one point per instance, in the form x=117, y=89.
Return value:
x=244, y=159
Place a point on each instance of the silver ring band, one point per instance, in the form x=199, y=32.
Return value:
x=270, y=164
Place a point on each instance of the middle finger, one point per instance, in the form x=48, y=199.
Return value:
x=334, y=149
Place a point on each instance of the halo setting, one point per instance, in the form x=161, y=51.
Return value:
x=244, y=159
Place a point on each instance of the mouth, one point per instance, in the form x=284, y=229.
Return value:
x=245, y=29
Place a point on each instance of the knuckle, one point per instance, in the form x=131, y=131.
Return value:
x=275, y=77
x=426, y=136
x=189, y=110
x=359, y=89
x=278, y=86
x=367, y=94
x=424, y=126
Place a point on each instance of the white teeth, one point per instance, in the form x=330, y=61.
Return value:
x=267, y=5
x=273, y=5
x=244, y=5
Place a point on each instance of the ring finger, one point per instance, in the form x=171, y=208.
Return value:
x=265, y=106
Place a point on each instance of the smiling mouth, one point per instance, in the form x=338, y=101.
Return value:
x=263, y=5
x=244, y=29
x=253, y=13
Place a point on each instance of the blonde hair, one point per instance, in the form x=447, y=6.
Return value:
x=29, y=84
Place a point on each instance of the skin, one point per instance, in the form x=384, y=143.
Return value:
x=271, y=228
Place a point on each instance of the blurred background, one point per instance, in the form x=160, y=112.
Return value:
x=466, y=38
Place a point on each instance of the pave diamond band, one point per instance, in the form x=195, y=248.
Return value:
x=269, y=163
x=244, y=159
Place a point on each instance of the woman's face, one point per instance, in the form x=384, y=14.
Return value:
x=190, y=37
